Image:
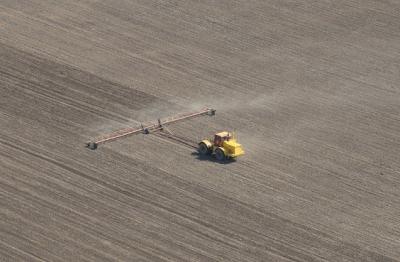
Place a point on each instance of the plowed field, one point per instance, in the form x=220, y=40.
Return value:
x=311, y=88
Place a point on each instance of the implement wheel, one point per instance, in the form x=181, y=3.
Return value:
x=203, y=149
x=220, y=154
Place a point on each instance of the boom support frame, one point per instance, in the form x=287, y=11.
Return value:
x=148, y=128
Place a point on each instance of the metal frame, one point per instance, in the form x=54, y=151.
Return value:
x=147, y=129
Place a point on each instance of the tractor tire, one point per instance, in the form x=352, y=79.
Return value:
x=203, y=149
x=220, y=154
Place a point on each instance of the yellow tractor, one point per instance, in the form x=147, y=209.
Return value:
x=223, y=147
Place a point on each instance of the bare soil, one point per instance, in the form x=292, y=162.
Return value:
x=310, y=87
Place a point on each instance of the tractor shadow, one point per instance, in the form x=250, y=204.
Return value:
x=212, y=159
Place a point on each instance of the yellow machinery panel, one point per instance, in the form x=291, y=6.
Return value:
x=233, y=148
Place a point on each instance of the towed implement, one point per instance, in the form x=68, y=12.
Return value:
x=147, y=128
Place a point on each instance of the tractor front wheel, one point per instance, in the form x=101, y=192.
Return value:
x=203, y=149
x=220, y=154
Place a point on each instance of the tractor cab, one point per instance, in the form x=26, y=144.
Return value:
x=219, y=138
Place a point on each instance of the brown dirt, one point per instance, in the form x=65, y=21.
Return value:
x=310, y=87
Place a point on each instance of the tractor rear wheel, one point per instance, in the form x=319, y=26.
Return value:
x=220, y=154
x=203, y=149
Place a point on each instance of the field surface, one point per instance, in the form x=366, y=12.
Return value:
x=310, y=87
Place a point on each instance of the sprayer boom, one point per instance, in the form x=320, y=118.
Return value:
x=147, y=128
